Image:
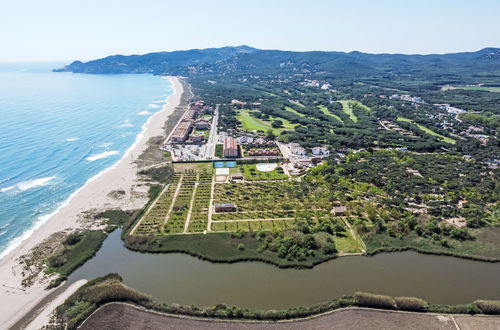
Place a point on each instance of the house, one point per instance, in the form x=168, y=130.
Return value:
x=230, y=147
x=238, y=104
x=296, y=149
x=201, y=124
x=226, y=207
x=236, y=177
x=462, y=204
x=197, y=137
x=320, y=151
x=339, y=210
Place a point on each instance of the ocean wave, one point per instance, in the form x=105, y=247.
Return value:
x=126, y=124
x=7, y=188
x=102, y=155
x=105, y=145
x=144, y=113
x=159, y=101
x=152, y=105
x=28, y=184
x=72, y=139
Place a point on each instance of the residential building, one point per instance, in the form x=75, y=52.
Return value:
x=320, y=151
x=230, y=147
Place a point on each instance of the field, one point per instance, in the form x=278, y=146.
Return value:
x=428, y=131
x=472, y=88
x=348, y=108
x=265, y=201
x=327, y=112
x=251, y=123
x=250, y=173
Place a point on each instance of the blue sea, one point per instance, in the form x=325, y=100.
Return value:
x=58, y=130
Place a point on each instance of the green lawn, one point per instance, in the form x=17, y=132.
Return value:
x=428, y=131
x=251, y=123
x=472, y=88
x=327, y=112
x=347, y=107
x=250, y=172
x=297, y=103
x=292, y=110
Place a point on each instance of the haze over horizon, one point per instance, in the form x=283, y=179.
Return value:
x=59, y=31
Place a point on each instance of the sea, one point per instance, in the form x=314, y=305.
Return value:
x=58, y=131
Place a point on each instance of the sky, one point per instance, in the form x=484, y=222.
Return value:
x=67, y=30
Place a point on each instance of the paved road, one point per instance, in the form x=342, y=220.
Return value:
x=121, y=316
x=209, y=147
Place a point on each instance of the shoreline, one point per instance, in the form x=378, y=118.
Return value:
x=70, y=215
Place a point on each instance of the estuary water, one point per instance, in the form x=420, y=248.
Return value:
x=180, y=278
x=57, y=131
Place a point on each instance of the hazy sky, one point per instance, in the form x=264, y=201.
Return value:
x=48, y=30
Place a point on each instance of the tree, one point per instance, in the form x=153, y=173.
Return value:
x=277, y=124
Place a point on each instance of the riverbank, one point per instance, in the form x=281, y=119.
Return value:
x=97, y=195
x=85, y=305
x=120, y=315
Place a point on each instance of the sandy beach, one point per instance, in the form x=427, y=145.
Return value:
x=16, y=300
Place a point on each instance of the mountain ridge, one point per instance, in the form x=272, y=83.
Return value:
x=246, y=59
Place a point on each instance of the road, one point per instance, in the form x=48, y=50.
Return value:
x=209, y=148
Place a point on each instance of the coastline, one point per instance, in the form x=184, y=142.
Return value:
x=92, y=196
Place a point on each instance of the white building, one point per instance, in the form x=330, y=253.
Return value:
x=320, y=151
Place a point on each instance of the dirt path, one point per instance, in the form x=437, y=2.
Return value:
x=188, y=216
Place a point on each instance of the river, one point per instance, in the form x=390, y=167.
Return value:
x=180, y=278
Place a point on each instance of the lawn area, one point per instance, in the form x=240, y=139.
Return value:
x=428, y=131
x=327, y=112
x=472, y=88
x=251, y=123
x=348, y=106
x=198, y=167
x=250, y=172
x=348, y=244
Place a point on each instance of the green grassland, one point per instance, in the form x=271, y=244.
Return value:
x=251, y=123
x=250, y=173
x=327, y=112
x=428, y=131
x=472, y=88
x=348, y=106
x=292, y=110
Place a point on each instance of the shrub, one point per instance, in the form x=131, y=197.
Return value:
x=56, y=261
x=410, y=303
x=241, y=246
x=73, y=239
x=374, y=300
x=488, y=306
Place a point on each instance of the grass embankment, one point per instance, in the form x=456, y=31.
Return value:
x=110, y=288
x=327, y=112
x=251, y=123
x=428, y=131
x=484, y=247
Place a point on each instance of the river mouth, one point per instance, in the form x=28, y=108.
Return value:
x=183, y=279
